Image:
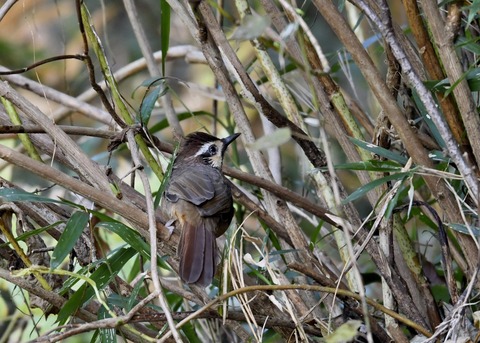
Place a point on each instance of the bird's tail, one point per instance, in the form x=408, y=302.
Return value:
x=197, y=249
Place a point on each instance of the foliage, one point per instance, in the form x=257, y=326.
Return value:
x=355, y=179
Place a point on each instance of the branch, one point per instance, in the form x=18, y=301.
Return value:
x=45, y=61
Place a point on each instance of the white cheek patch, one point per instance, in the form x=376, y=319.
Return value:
x=216, y=161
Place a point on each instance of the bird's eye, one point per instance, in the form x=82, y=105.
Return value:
x=212, y=149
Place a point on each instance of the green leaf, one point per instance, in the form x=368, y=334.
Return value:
x=389, y=155
x=372, y=165
x=464, y=229
x=163, y=124
x=35, y=232
x=133, y=238
x=102, y=276
x=132, y=300
x=470, y=44
x=273, y=140
x=14, y=194
x=73, y=230
x=148, y=102
x=428, y=120
x=375, y=183
x=472, y=12
x=165, y=31
x=166, y=178
x=129, y=236
x=106, y=335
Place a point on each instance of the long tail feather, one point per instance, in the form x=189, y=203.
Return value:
x=197, y=254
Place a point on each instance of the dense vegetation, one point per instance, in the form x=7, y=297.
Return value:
x=355, y=177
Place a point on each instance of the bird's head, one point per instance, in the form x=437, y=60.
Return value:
x=205, y=148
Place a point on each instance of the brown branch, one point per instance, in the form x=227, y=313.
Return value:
x=340, y=292
x=434, y=69
x=261, y=320
x=42, y=62
x=68, y=129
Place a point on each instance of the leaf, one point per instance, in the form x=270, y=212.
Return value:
x=372, y=165
x=166, y=178
x=165, y=31
x=106, y=335
x=129, y=236
x=390, y=155
x=66, y=242
x=15, y=194
x=371, y=185
x=102, y=276
x=35, y=232
x=132, y=300
x=252, y=26
x=148, y=102
x=464, y=229
x=133, y=238
x=273, y=140
x=428, y=120
x=344, y=333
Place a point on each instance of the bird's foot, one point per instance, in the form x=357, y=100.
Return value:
x=169, y=225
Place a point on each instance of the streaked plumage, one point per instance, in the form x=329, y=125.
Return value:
x=199, y=201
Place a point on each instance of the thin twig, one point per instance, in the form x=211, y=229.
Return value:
x=341, y=292
x=6, y=7
x=42, y=62
x=152, y=228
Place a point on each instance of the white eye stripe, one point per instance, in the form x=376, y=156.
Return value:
x=203, y=149
x=206, y=147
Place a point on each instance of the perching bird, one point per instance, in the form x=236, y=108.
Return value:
x=198, y=201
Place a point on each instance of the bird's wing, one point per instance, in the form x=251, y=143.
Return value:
x=222, y=203
x=191, y=184
x=202, y=186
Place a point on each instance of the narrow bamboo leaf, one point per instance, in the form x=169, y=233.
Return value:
x=190, y=333
x=471, y=44
x=390, y=155
x=273, y=140
x=132, y=300
x=35, y=232
x=428, y=120
x=106, y=335
x=164, y=31
x=149, y=101
x=73, y=230
x=132, y=238
x=372, y=165
x=165, y=180
x=129, y=236
x=14, y=194
x=464, y=229
x=102, y=276
x=361, y=191
x=95, y=336
x=392, y=204
x=149, y=83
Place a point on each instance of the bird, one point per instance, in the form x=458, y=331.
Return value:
x=198, y=201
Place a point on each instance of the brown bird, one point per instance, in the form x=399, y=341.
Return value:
x=198, y=201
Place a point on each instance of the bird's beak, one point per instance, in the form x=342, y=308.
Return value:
x=226, y=141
